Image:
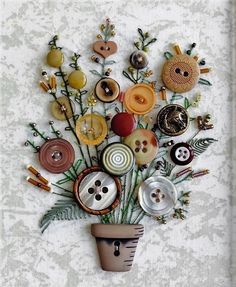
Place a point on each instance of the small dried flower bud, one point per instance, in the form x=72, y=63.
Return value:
x=51, y=123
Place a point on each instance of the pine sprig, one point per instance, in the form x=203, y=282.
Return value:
x=166, y=167
x=201, y=145
x=64, y=209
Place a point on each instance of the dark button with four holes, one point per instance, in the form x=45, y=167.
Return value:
x=182, y=153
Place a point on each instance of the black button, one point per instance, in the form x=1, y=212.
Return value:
x=182, y=153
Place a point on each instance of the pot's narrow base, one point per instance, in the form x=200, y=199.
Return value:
x=116, y=245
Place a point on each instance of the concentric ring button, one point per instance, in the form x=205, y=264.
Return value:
x=96, y=191
x=123, y=124
x=157, y=196
x=144, y=145
x=91, y=129
x=182, y=153
x=140, y=99
x=117, y=159
x=107, y=90
x=56, y=155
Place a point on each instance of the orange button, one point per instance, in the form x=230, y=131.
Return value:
x=91, y=129
x=140, y=99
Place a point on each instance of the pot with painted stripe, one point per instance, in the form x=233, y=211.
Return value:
x=117, y=244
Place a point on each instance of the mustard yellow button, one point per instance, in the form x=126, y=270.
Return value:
x=140, y=99
x=60, y=107
x=91, y=129
x=55, y=58
x=77, y=79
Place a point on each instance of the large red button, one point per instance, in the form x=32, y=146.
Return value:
x=123, y=124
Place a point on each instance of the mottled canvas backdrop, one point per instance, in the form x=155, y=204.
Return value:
x=192, y=253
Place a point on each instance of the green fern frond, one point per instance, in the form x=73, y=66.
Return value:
x=166, y=167
x=201, y=145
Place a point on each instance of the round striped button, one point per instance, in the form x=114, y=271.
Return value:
x=117, y=159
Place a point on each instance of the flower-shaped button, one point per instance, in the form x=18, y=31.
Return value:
x=107, y=90
x=157, y=196
x=144, y=145
x=91, y=129
x=140, y=99
x=182, y=153
x=96, y=191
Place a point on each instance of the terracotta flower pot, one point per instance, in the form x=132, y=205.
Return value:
x=117, y=244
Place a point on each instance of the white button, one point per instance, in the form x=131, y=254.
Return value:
x=182, y=153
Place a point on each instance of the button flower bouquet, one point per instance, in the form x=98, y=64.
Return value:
x=131, y=159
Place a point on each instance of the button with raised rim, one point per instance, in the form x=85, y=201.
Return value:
x=96, y=191
x=60, y=107
x=117, y=159
x=157, y=196
x=140, y=99
x=56, y=155
x=91, y=129
x=138, y=60
x=123, y=124
x=182, y=153
x=173, y=120
x=144, y=145
x=107, y=90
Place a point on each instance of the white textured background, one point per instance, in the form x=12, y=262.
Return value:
x=196, y=252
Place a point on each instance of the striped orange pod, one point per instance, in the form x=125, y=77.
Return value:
x=44, y=86
x=53, y=82
x=205, y=70
x=35, y=172
x=177, y=49
x=38, y=184
x=163, y=93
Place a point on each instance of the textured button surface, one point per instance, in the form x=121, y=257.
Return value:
x=157, y=196
x=56, y=155
x=173, y=120
x=58, y=111
x=144, y=145
x=91, y=129
x=77, y=79
x=182, y=153
x=117, y=159
x=107, y=90
x=180, y=73
x=96, y=191
x=123, y=124
x=105, y=49
x=140, y=99
x=138, y=60
x=55, y=58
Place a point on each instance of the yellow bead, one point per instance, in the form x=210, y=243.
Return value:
x=55, y=58
x=77, y=79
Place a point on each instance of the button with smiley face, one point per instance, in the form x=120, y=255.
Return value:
x=140, y=99
x=182, y=153
x=96, y=191
x=180, y=73
x=91, y=129
x=107, y=90
x=173, y=120
x=144, y=145
x=157, y=196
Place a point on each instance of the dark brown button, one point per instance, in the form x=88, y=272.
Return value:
x=56, y=155
x=107, y=90
x=173, y=120
x=138, y=60
x=123, y=124
x=182, y=153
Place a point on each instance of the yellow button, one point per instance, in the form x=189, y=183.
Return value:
x=91, y=129
x=55, y=58
x=140, y=99
x=77, y=79
x=58, y=111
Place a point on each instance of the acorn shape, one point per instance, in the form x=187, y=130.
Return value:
x=77, y=79
x=55, y=58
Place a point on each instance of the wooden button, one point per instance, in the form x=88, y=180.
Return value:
x=144, y=145
x=105, y=49
x=91, y=129
x=123, y=124
x=56, y=155
x=180, y=73
x=55, y=58
x=107, y=90
x=96, y=191
x=140, y=99
x=138, y=60
x=77, y=79
x=58, y=111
